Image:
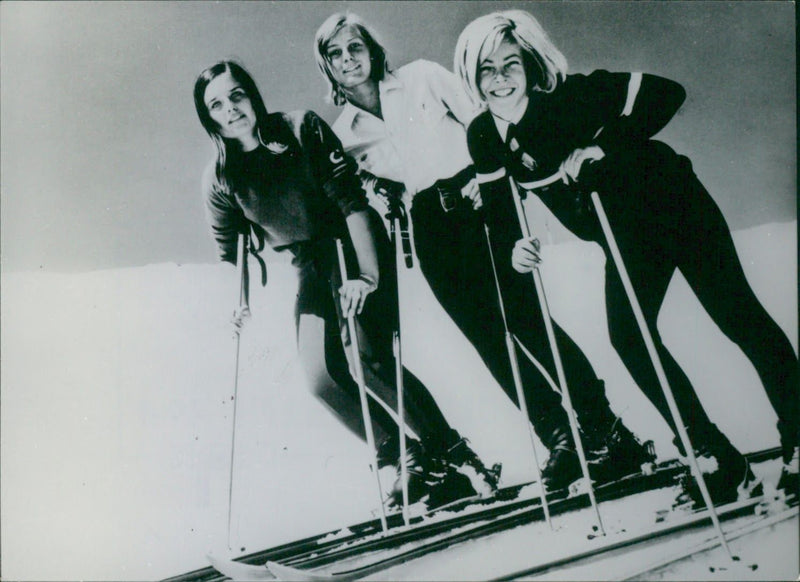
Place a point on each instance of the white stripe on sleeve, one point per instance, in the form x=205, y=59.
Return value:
x=633, y=90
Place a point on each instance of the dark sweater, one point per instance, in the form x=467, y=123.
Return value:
x=298, y=189
x=611, y=110
x=583, y=110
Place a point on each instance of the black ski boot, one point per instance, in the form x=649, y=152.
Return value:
x=461, y=462
x=388, y=451
x=730, y=480
x=424, y=474
x=788, y=482
x=616, y=453
x=563, y=467
x=790, y=437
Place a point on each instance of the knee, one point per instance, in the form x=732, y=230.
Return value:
x=318, y=385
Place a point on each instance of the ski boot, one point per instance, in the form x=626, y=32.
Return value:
x=790, y=437
x=788, y=481
x=563, y=467
x=388, y=451
x=725, y=470
x=457, y=457
x=617, y=454
x=424, y=473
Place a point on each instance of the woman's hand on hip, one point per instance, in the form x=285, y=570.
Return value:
x=353, y=294
x=526, y=255
x=571, y=167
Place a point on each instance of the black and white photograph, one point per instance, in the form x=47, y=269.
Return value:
x=410, y=290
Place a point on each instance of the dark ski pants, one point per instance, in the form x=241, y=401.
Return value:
x=454, y=257
x=664, y=219
x=322, y=334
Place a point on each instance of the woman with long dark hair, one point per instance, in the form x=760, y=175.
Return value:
x=286, y=175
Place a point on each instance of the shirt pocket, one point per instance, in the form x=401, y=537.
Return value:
x=431, y=111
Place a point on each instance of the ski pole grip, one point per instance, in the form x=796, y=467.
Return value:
x=340, y=255
x=523, y=220
x=241, y=268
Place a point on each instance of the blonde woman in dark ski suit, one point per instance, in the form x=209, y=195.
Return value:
x=286, y=174
x=596, y=131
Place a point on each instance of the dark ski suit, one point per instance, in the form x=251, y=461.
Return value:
x=662, y=216
x=297, y=190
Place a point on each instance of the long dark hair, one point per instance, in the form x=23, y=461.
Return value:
x=228, y=150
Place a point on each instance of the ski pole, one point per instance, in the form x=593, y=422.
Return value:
x=659, y=368
x=512, y=357
x=562, y=380
x=241, y=266
x=362, y=388
x=398, y=366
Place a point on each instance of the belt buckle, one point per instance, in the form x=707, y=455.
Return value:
x=447, y=199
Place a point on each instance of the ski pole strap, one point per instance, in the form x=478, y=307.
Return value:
x=255, y=244
x=398, y=226
x=390, y=194
x=405, y=241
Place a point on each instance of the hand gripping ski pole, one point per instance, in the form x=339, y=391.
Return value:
x=399, y=237
x=362, y=387
x=659, y=368
x=512, y=357
x=241, y=266
x=562, y=380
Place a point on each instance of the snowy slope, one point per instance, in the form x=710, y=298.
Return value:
x=116, y=405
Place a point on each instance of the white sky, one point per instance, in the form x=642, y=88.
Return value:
x=102, y=150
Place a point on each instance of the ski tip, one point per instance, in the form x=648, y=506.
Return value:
x=238, y=571
x=287, y=573
x=290, y=574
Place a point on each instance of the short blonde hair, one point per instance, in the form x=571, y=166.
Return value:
x=330, y=28
x=544, y=64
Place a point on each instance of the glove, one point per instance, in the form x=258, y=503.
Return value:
x=389, y=191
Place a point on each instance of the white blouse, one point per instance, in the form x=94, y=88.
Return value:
x=422, y=136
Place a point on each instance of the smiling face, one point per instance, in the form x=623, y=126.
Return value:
x=231, y=109
x=502, y=80
x=349, y=58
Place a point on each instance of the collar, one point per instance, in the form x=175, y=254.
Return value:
x=390, y=82
x=351, y=113
x=348, y=115
x=501, y=125
x=516, y=116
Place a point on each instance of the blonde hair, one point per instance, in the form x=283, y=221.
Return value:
x=330, y=28
x=544, y=64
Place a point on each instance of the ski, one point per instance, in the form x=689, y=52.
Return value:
x=604, y=545
x=365, y=537
x=521, y=511
x=239, y=571
x=697, y=519
x=713, y=542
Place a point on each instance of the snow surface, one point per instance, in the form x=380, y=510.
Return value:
x=117, y=406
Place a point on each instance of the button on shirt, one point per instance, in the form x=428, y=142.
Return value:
x=422, y=136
